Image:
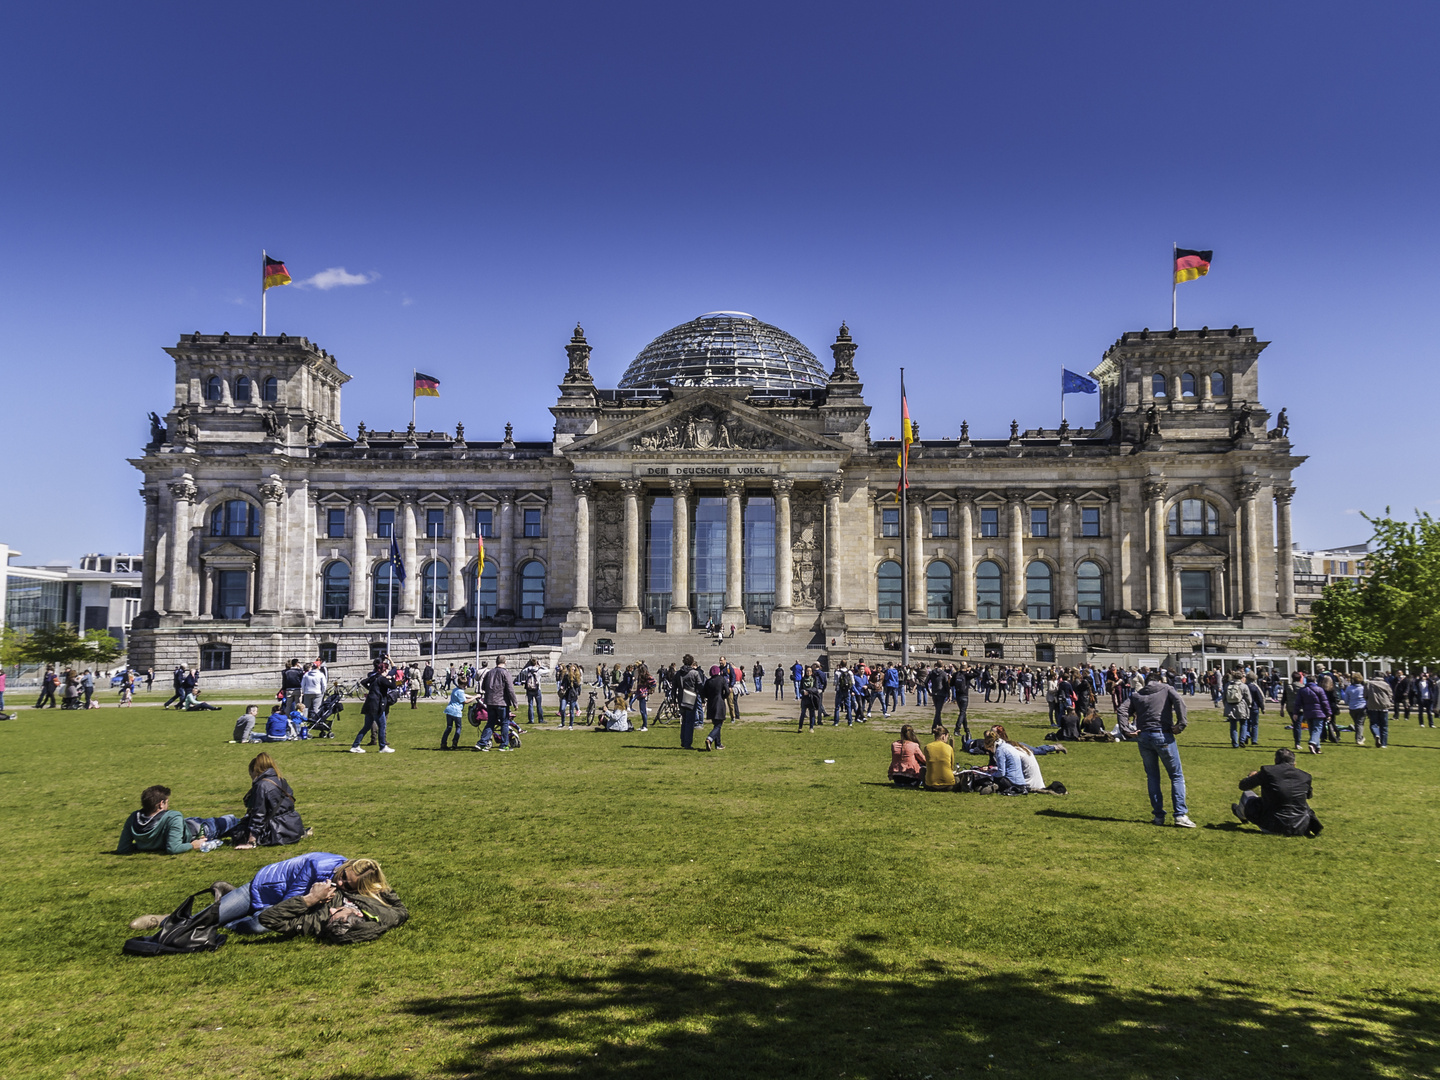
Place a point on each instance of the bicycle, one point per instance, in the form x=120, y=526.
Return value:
x=349, y=690
x=667, y=713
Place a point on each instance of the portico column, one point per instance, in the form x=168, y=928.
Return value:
x=1176, y=600
x=678, y=619
x=782, y=618
x=1249, y=553
x=409, y=592
x=1017, y=554
x=734, y=613
x=629, y=619
x=359, y=559
x=1067, y=558
x=152, y=548
x=505, y=569
x=1284, y=556
x=580, y=613
x=916, y=556
x=1219, y=594
x=833, y=488
x=177, y=576
x=1154, y=491
x=966, y=602
x=457, y=556
x=272, y=494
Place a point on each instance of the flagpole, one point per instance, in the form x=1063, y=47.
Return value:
x=434, y=600
x=1174, y=250
x=263, y=290
x=413, y=373
x=904, y=534
x=1062, y=394
x=478, y=569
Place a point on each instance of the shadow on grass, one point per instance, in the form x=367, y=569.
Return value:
x=1050, y=812
x=854, y=1015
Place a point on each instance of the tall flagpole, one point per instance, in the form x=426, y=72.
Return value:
x=1062, y=393
x=904, y=534
x=263, y=291
x=1174, y=249
x=434, y=600
x=413, y=373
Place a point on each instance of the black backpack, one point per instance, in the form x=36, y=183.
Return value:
x=182, y=932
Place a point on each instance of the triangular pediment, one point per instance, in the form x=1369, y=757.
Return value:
x=704, y=421
x=228, y=552
x=1197, y=550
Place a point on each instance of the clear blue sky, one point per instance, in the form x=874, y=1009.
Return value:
x=985, y=192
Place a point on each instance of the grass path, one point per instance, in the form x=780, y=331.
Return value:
x=608, y=905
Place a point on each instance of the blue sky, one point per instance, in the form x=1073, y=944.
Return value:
x=985, y=193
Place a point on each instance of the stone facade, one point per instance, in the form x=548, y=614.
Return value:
x=269, y=527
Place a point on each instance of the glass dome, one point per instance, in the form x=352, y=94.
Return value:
x=725, y=348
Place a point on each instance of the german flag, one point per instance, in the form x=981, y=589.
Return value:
x=480, y=560
x=275, y=273
x=907, y=436
x=1190, y=265
x=426, y=385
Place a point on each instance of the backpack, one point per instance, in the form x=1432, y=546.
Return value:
x=182, y=932
x=532, y=681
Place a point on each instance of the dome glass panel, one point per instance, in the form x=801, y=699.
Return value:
x=725, y=348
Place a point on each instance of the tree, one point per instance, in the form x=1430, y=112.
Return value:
x=102, y=648
x=1340, y=625
x=63, y=647
x=11, y=641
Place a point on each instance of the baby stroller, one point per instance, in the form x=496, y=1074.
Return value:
x=321, y=725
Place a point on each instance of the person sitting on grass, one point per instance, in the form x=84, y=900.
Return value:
x=940, y=761
x=192, y=703
x=907, y=760
x=1038, y=751
x=270, y=819
x=615, y=716
x=1092, y=728
x=1283, y=806
x=156, y=828
x=245, y=726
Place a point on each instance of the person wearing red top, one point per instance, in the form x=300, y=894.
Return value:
x=907, y=760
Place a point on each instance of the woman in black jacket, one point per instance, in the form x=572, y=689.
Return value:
x=378, y=687
x=270, y=817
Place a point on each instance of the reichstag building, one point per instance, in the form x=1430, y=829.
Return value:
x=729, y=476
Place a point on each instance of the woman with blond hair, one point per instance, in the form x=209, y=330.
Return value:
x=270, y=819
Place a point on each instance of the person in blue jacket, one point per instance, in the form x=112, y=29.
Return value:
x=240, y=907
x=455, y=714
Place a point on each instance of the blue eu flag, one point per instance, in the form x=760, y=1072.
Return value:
x=1070, y=383
x=395, y=560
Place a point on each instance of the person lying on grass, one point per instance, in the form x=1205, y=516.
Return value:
x=341, y=901
x=907, y=760
x=157, y=828
x=1283, y=806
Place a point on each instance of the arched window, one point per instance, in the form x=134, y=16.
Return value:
x=212, y=389
x=270, y=390
x=1157, y=385
x=1037, y=591
x=1217, y=384
x=889, y=594
x=987, y=590
x=235, y=517
x=938, y=593
x=1193, y=517
x=435, y=590
x=335, y=591
x=532, y=590
x=488, y=590
x=1090, y=592
x=242, y=389
x=1187, y=385
x=386, y=592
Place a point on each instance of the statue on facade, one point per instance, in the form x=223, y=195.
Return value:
x=183, y=431
x=311, y=427
x=272, y=423
x=964, y=430
x=1064, y=429
x=1014, y=430
x=1282, y=426
x=1242, y=422
x=1152, y=423
x=459, y=432
x=157, y=433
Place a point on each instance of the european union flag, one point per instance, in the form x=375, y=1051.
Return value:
x=1070, y=383
x=396, y=561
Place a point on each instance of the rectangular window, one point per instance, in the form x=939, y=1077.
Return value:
x=989, y=521
x=1039, y=521
x=435, y=524
x=385, y=524
x=890, y=522
x=532, y=523
x=335, y=524
x=215, y=657
x=1195, y=594
x=484, y=521
x=231, y=599
x=1090, y=521
x=939, y=522
x=328, y=652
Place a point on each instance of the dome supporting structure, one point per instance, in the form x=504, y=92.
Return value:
x=725, y=348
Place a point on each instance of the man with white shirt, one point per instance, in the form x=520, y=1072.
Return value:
x=312, y=687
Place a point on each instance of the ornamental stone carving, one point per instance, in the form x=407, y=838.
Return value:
x=272, y=490
x=608, y=530
x=1284, y=494
x=581, y=488
x=632, y=487
x=1155, y=489
x=782, y=485
x=1247, y=489
x=734, y=487
x=679, y=488
x=707, y=428
x=184, y=488
x=807, y=533
x=834, y=486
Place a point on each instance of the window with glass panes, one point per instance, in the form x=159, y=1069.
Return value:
x=939, y=522
x=385, y=524
x=435, y=523
x=890, y=521
x=1193, y=517
x=484, y=522
x=1090, y=521
x=532, y=524
x=987, y=590
x=888, y=591
x=1039, y=521
x=334, y=523
x=989, y=521
x=1089, y=592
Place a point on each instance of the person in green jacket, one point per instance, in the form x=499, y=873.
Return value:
x=357, y=905
x=155, y=827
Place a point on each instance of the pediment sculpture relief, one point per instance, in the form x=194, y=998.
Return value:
x=706, y=429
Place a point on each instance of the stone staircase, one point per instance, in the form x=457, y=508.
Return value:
x=655, y=647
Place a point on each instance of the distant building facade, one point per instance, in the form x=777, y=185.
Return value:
x=729, y=477
x=1316, y=569
x=103, y=594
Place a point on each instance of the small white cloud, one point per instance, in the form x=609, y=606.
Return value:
x=335, y=277
x=1354, y=511
x=237, y=300
x=406, y=301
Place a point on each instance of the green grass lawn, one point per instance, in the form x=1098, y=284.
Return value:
x=607, y=905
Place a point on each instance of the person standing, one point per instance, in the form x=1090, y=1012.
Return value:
x=427, y=676
x=454, y=716
x=534, y=701
x=1379, y=700
x=1311, y=705
x=759, y=673
x=1353, y=697
x=87, y=686
x=177, y=682
x=127, y=687
x=48, y=682
x=809, y=697
x=497, y=690
x=797, y=672
x=376, y=707
x=844, y=690
x=2, y=689
x=1425, y=698
x=716, y=691
x=149, y=679
x=688, y=683
x=1237, y=708
x=290, y=681
x=938, y=683
x=1155, y=708
x=312, y=687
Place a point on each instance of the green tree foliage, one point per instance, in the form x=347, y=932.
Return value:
x=1394, y=610
x=63, y=647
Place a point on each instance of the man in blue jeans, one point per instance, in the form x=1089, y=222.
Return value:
x=1153, y=711
x=689, y=680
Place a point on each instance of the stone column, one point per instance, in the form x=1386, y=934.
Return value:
x=457, y=556
x=734, y=612
x=272, y=496
x=1249, y=548
x=629, y=619
x=359, y=559
x=1284, y=556
x=782, y=618
x=580, y=613
x=916, y=557
x=1017, y=554
x=1122, y=594
x=1176, y=610
x=410, y=548
x=505, y=568
x=1067, y=560
x=833, y=542
x=965, y=608
x=152, y=550
x=678, y=619
x=1154, y=492
x=177, y=574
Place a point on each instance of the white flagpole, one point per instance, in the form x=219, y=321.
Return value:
x=1062, y=393
x=434, y=600
x=1174, y=250
x=263, y=291
x=413, y=373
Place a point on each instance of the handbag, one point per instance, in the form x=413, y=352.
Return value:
x=182, y=932
x=688, y=698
